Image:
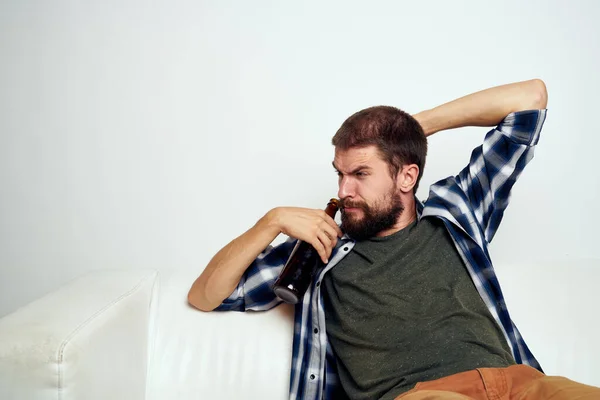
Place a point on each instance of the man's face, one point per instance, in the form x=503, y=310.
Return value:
x=370, y=199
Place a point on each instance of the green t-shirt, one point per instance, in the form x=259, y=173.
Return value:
x=403, y=309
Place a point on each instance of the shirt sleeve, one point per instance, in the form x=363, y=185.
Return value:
x=495, y=166
x=255, y=289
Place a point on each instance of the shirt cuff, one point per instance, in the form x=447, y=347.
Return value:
x=523, y=127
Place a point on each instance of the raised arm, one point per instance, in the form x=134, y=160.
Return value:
x=518, y=111
x=485, y=108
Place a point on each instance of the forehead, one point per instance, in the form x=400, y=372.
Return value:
x=357, y=156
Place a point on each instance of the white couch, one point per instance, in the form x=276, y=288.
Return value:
x=131, y=335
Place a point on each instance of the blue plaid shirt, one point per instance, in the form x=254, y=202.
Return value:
x=471, y=205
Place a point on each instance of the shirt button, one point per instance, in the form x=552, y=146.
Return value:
x=316, y=330
x=345, y=248
x=312, y=376
x=318, y=283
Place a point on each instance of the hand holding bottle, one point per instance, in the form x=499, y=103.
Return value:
x=305, y=260
x=309, y=225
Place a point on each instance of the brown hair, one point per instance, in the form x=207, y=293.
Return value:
x=398, y=136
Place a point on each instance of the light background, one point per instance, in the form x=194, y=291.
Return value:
x=140, y=134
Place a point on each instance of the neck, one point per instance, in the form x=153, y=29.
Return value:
x=408, y=216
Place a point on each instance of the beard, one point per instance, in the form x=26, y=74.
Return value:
x=376, y=218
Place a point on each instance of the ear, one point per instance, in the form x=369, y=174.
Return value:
x=407, y=178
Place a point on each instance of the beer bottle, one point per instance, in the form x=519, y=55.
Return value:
x=299, y=269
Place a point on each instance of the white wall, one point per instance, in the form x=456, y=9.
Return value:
x=148, y=134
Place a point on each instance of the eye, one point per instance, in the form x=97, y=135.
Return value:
x=361, y=174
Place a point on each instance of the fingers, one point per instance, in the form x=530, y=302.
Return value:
x=334, y=231
x=331, y=234
x=327, y=245
x=328, y=232
x=333, y=224
x=317, y=243
x=312, y=226
x=336, y=227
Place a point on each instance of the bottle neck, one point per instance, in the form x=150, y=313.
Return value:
x=331, y=209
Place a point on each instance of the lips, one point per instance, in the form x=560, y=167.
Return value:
x=349, y=207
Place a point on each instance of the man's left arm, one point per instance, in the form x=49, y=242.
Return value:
x=485, y=108
x=495, y=166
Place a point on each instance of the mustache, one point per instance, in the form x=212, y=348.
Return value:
x=352, y=204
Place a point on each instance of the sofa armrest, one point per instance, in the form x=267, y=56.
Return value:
x=217, y=355
x=86, y=340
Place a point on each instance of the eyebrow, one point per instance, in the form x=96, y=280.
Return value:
x=357, y=169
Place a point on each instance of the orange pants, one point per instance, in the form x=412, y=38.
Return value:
x=517, y=382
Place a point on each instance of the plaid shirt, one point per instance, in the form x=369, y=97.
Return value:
x=471, y=205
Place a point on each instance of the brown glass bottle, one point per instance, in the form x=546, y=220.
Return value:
x=300, y=268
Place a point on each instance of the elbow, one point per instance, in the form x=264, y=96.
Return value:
x=195, y=300
x=538, y=94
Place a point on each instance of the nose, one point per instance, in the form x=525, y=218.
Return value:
x=346, y=188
